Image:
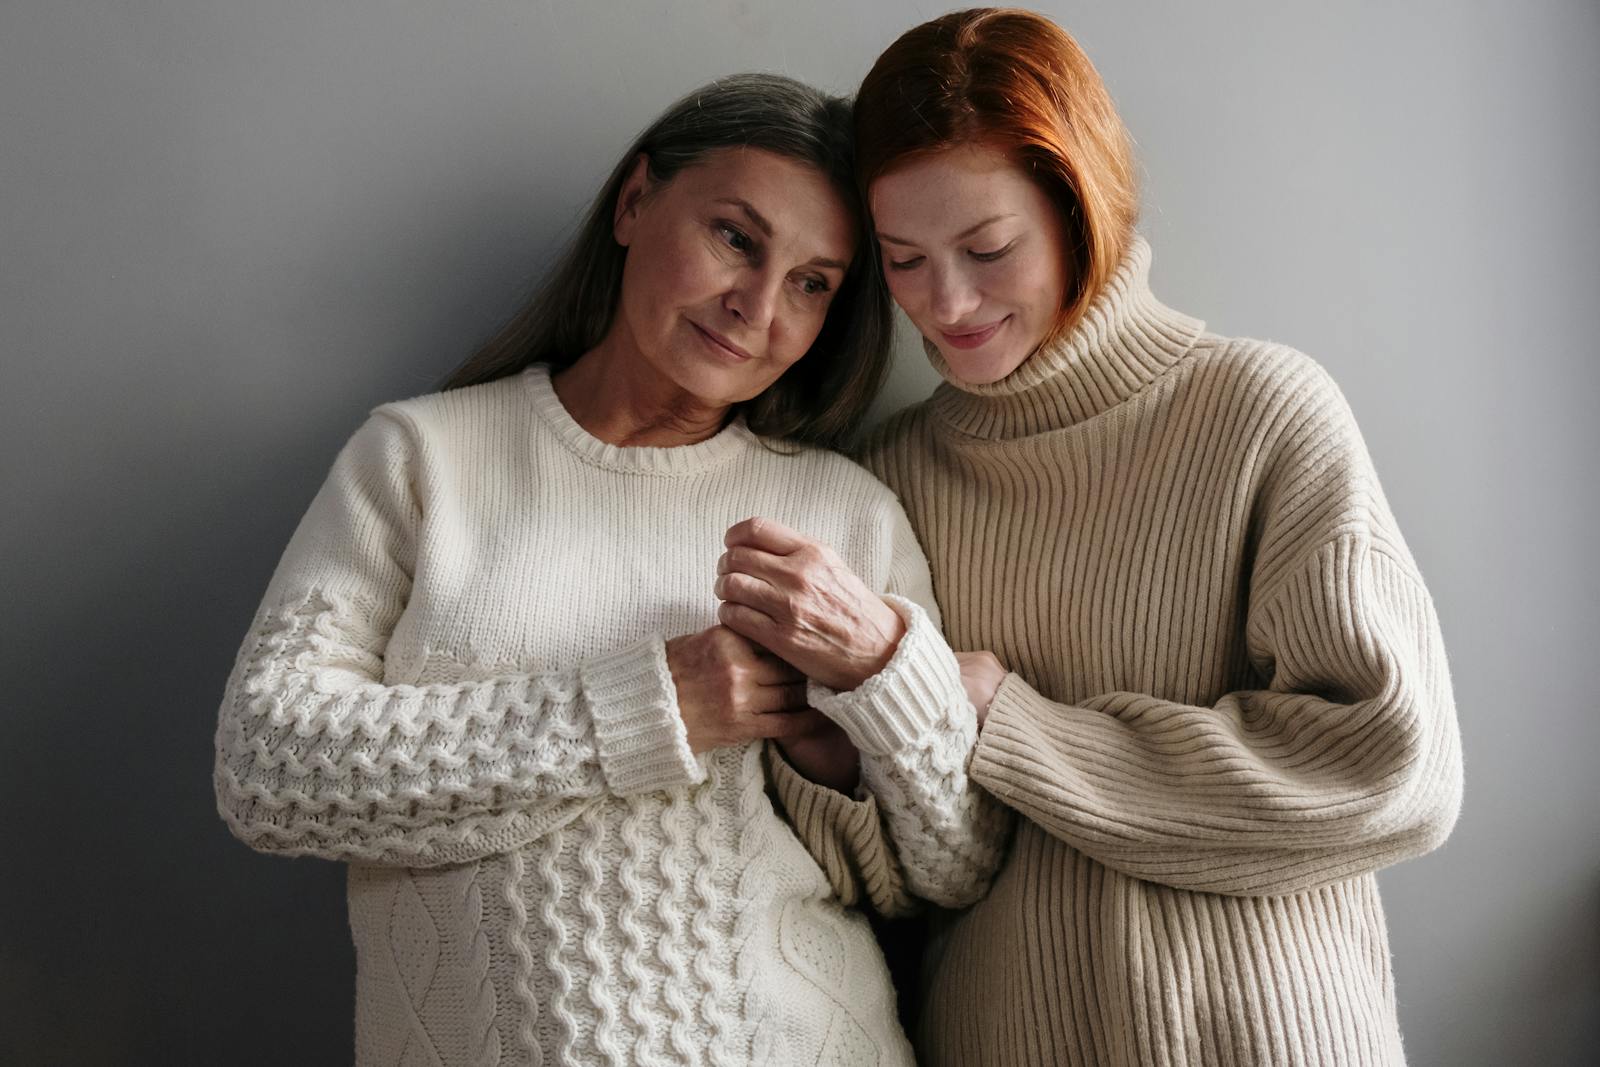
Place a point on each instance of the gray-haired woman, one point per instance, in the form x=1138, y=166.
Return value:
x=487, y=675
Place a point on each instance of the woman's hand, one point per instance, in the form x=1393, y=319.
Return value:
x=731, y=692
x=797, y=599
x=981, y=675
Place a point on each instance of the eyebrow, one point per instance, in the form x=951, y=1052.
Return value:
x=759, y=221
x=963, y=235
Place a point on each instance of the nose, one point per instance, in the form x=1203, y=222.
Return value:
x=952, y=298
x=753, y=298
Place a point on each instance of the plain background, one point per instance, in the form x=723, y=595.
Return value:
x=227, y=230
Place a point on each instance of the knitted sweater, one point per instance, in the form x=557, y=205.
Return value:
x=1228, y=706
x=457, y=683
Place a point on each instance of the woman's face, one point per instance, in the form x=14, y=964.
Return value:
x=730, y=270
x=975, y=254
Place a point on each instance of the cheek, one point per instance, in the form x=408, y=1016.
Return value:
x=680, y=270
x=907, y=291
x=648, y=290
x=1006, y=284
x=694, y=271
x=1039, y=284
x=638, y=302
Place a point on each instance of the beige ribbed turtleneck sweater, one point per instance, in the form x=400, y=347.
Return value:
x=1229, y=703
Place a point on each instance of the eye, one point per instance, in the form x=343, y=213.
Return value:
x=735, y=238
x=814, y=285
x=905, y=264
x=990, y=257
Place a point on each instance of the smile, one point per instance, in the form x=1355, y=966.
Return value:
x=721, y=345
x=973, y=338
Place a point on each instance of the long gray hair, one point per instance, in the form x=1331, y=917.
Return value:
x=823, y=396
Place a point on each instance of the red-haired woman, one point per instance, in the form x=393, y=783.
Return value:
x=1217, y=699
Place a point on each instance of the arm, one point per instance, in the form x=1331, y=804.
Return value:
x=316, y=756
x=915, y=730
x=1348, y=761
x=903, y=706
x=845, y=836
x=1342, y=759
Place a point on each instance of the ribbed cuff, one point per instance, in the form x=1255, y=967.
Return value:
x=896, y=708
x=1005, y=733
x=641, y=739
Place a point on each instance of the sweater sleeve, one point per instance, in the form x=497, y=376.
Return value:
x=1343, y=759
x=315, y=755
x=845, y=836
x=915, y=730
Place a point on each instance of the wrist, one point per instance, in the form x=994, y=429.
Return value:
x=889, y=630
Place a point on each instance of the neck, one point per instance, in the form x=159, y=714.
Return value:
x=1124, y=342
x=617, y=396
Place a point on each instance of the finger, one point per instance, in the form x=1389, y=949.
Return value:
x=747, y=622
x=760, y=653
x=774, y=671
x=770, y=668
x=749, y=591
x=757, y=562
x=768, y=535
x=775, y=699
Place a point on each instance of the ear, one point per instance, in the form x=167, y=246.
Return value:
x=625, y=216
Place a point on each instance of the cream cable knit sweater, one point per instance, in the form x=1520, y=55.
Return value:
x=1229, y=706
x=456, y=682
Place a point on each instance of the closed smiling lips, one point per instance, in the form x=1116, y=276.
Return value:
x=972, y=336
x=716, y=340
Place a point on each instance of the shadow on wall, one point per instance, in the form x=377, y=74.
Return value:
x=144, y=932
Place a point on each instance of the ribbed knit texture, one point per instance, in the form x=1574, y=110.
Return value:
x=1229, y=703
x=457, y=683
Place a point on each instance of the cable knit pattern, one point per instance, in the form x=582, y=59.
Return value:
x=915, y=729
x=457, y=683
x=1229, y=703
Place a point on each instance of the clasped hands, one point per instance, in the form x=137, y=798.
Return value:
x=791, y=609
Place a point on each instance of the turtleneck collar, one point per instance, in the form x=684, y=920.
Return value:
x=1125, y=340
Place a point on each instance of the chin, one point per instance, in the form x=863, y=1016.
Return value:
x=712, y=383
x=977, y=368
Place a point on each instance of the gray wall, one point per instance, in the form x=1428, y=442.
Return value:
x=227, y=230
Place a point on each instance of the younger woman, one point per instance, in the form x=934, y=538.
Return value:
x=1216, y=699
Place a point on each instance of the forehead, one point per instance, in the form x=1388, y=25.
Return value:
x=944, y=193
x=807, y=213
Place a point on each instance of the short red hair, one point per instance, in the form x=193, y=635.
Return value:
x=1015, y=81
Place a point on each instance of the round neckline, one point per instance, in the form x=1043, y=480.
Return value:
x=669, y=460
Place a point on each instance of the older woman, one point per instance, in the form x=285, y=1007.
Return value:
x=1216, y=701
x=487, y=672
